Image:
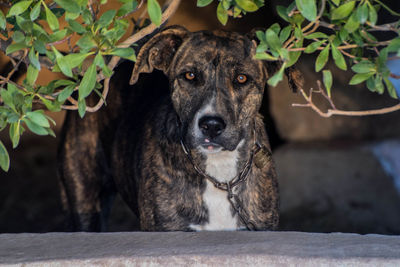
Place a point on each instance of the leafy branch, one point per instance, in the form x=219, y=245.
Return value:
x=342, y=30
x=333, y=110
x=32, y=36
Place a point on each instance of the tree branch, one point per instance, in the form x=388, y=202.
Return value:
x=334, y=111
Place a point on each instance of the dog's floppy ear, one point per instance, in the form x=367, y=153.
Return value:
x=158, y=52
x=295, y=79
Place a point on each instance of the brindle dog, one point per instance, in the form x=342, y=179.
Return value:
x=194, y=156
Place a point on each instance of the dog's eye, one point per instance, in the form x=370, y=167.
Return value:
x=241, y=78
x=190, y=76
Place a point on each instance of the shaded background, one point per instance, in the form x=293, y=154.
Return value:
x=337, y=174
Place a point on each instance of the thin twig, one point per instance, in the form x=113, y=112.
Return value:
x=394, y=76
x=382, y=27
x=349, y=46
x=334, y=111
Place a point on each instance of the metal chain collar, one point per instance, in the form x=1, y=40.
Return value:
x=229, y=186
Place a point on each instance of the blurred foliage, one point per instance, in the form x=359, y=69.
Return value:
x=32, y=31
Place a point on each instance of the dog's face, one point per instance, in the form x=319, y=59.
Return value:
x=216, y=85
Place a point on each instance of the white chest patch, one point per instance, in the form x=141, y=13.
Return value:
x=223, y=167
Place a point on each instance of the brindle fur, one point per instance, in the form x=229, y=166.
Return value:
x=132, y=146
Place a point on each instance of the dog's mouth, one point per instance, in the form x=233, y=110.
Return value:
x=208, y=146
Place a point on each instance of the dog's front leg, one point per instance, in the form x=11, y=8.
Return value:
x=87, y=188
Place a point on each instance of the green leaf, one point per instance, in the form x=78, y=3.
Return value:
x=99, y=60
x=364, y=67
x=74, y=60
x=40, y=46
x=15, y=132
x=2, y=21
x=285, y=33
x=82, y=107
x=222, y=14
x=322, y=59
x=50, y=105
x=338, y=58
x=59, y=83
x=327, y=78
x=87, y=16
x=69, y=5
x=106, y=18
x=65, y=93
x=282, y=12
x=4, y=158
x=362, y=13
x=394, y=45
x=31, y=75
x=311, y=48
x=35, y=12
x=336, y=2
x=265, y=56
x=343, y=33
x=352, y=23
x=34, y=58
x=86, y=42
x=247, y=5
x=371, y=84
x=15, y=47
x=275, y=27
x=7, y=96
x=154, y=10
x=126, y=8
x=360, y=77
x=58, y=35
x=19, y=8
x=261, y=36
x=373, y=16
x=308, y=8
x=295, y=55
x=76, y=27
x=379, y=84
x=274, y=80
x=24, y=24
x=38, y=117
x=51, y=19
x=62, y=63
x=262, y=47
x=88, y=82
x=390, y=88
x=298, y=33
x=18, y=37
x=37, y=129
x=107, y=71
x=316, y=35
x=127, y=52
x=203, y=3
x=50, y=132
x=343, y=11
x=273, y=40
x=226, y=4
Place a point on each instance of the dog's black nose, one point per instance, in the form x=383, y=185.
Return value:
x=211, y=126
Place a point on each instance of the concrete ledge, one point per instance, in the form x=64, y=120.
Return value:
x=205, y=248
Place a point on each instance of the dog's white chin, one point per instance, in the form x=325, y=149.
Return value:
x=207, y=151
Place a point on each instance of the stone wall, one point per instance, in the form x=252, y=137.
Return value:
x=199, y=249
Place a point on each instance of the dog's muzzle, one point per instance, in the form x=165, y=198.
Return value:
x=211, y=127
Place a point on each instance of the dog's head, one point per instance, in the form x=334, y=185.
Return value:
x=216, y=84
